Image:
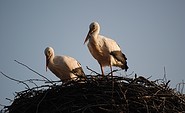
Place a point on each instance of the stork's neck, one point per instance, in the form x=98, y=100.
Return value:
x=94, y=35
x=51, y=60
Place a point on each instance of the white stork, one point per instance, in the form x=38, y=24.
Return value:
x=105, y=50
x=64, y=67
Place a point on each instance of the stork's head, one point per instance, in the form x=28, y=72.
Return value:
x=94, y=27
x=49, y=52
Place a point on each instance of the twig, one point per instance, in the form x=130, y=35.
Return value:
x=41, y=101
x=56, y=81
x=2, y=105
x=178, y=86
x=165, y=79
x=33, y=89
x=113, y=71
x=15, y=80
x=92, y=70
x=166, y=85
x=39, y=80
x=182, y=89
x=130, y=74
x=9, y=99
x=33, y=83
x=33, y=71
x=146, y=106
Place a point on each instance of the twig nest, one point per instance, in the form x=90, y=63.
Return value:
x=97, y=95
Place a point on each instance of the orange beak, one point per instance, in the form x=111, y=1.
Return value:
x=47, y=62
x=87, y=37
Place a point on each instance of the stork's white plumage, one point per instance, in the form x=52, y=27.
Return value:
x=64, y=67
x=105, y=50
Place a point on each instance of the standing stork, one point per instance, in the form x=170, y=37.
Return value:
x=64, y=67
x=105, y=50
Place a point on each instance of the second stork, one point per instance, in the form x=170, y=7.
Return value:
x=105, y=50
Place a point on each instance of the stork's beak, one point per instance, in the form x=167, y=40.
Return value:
x=87, y=37
x=47, y=62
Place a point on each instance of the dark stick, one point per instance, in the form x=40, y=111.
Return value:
x=92, y=70
x=33, y=71
x=15, y=80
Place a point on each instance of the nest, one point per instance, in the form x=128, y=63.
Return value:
x=100, y=95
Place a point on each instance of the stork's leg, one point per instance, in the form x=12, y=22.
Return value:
x=102, y=70
x=111, y=70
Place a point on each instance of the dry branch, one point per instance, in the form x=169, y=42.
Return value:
x=95, y=94
x=15, y=80
x=33, y=71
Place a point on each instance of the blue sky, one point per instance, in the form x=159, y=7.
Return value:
x=150, y=33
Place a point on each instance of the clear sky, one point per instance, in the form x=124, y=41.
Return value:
x=151, y=34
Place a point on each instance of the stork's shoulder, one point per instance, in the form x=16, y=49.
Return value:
x=71, y=60
x=107, y=39
x=58, y=59
x=63, y=58
x=110, y=43
x=67, y=58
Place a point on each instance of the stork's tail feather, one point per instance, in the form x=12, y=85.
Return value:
x=125, y=66
x=79, y=72
x=118, y=55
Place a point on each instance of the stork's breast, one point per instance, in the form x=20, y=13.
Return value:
x=100, y=54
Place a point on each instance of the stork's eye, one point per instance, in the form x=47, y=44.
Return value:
x=93, y=26
x=49, y=53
